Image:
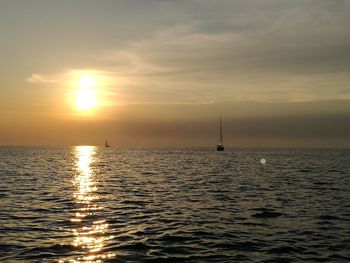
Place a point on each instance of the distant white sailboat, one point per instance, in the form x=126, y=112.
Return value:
x=220, y=147
x=106, y=144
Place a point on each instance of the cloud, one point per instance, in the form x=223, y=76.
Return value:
x=103, y=82
x=260, y=50
x=71, y=76
x=41, y=79
x=202, y=51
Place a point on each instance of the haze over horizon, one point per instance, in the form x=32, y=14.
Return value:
x=160, y=73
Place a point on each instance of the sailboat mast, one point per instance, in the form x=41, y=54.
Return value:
x=221, y=139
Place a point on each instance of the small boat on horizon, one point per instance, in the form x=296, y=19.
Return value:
x=106, y=144
x=220, y=146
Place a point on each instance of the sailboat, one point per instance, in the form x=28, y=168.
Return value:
x=106, y=144
x=220, y=147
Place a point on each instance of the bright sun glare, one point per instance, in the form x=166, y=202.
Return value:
x=86, y=81
x=85, y=93
x=85, y=99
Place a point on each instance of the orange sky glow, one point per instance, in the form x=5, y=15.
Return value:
x=160, y=73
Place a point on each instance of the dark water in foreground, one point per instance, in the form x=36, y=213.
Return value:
x=91, y=204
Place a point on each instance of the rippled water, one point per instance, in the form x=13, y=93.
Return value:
x=94, y=204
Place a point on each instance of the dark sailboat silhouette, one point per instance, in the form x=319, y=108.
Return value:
x=220, y=146
x=106, y=144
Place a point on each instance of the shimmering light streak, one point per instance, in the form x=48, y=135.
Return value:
x=89, y=234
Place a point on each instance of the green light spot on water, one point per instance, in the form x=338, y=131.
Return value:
x=263, y=161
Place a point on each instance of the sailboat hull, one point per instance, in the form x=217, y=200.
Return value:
x=220, y=148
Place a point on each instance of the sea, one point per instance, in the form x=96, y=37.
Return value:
x=97, y=204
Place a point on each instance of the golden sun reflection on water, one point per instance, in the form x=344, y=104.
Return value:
x=91, y=232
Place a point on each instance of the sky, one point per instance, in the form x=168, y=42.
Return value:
x=161, y=72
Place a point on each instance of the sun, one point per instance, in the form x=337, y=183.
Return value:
x=83, y=93
x=87, y=91
x=85, y=99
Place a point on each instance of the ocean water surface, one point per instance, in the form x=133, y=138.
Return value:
x=96, y=204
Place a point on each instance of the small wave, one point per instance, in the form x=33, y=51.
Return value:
x=278, y=260
x=148, y=173
x=47, y=210
x=252, y=224
x=10, y=247
x=305, y=170
x=55, y=249
x=173, y=238
x=340, y=257
x=285, y=249
x=321, y=183
x=202, y=233
x=266, y=213
x=135, y=246
x=179, y=259
x=328, y=217
x=238, y=246
x=49, y=252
